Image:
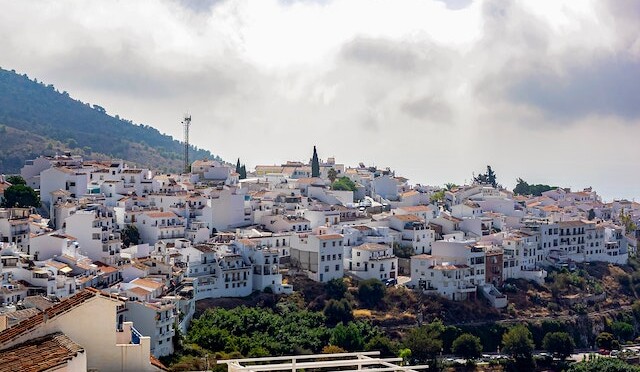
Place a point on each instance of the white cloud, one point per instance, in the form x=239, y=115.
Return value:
x=435, y=89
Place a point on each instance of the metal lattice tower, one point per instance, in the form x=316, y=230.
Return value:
x=186, y=123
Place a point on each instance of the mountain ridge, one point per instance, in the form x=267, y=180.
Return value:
x=36, y=119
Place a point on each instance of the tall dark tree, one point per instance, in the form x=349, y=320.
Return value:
x=370, y=292
x=130, y=235
x=559, y=344
x=243, y=172
x=518, y=342
x=20, y=196
x=488, y=178
x=424, y=342
x=238, y=166
x=315, y=164
x=467, y=346
x=16, y=180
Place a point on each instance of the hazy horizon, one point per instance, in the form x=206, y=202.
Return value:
x=547, y=91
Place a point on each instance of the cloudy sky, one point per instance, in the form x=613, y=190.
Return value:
x=546, y=90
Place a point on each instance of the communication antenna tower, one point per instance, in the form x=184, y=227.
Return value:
x=186, y=122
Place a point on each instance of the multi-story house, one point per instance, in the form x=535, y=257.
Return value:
x=14, y=227
x=372, y=261
x=94, y=230
x=155, y=225
x=433, y=275
x=413, y=232
x=319, y=256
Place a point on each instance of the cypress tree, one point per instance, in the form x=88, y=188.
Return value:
x=315, y=164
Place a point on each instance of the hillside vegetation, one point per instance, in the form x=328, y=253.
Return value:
x=38, y=119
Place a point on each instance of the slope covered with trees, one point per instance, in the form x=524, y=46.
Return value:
x=43, y=120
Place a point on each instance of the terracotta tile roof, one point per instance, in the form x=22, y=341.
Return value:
x=409, y=193
x=329, y=236
x=147, y=283
x=55, y=310
x=139, y=291
x=407, y=217
x=372, y=247
x=161, y=214
x=40, y=354
x=416, y=208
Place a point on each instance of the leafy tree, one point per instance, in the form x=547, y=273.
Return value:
x=348, y=337
x=523, y=188
x=424, y=343
x=20, y=196
x=437, y=196
x=336, y=288
x=370, y=292
x=130, y=235
x=383, y=344
x=16, y=180
x=405, y=354
x=338, y=311
x=467, y=346
x=627, y=221
x=344, y=184
x=606, y=340
x=622, y=331
x=603, y=365
x=518, y=342
x=402, y=251
x=488, y=178
x=332, y=175
x=315, y=164
x=450, y=186
x=558, y=343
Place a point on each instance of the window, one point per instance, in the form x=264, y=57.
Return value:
x=339, y=256
x=326, y=269
x=334, y=243
x=358, y=254
x=322, y=258
x=324, y=245
x=337, y=267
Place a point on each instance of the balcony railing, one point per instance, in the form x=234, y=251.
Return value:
x=135, y=336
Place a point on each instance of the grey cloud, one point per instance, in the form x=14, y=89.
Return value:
x=199, y=6
x=428, y=108
x=610, y=86
x=456, y=4
x=400, y=57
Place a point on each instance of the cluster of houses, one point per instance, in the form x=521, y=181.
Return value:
x=138, y=247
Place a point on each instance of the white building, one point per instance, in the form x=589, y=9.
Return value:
x=319, y=256
x=372, y=261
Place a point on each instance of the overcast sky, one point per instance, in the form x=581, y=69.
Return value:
x=436, y=89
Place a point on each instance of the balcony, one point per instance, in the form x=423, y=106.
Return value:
x=135, y=336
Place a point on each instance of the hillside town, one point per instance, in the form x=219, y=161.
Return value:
x=134, y=249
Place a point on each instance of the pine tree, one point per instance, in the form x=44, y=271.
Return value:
x=238, y=166
x=243, y=172
x=315, y=164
